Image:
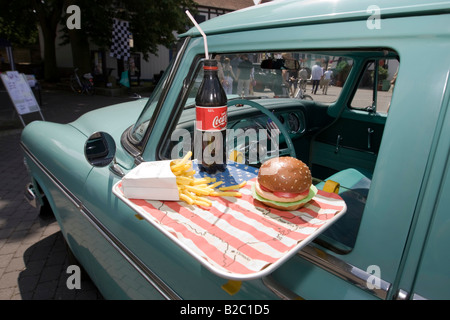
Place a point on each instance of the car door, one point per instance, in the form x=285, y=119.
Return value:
x=425, y=274
x=370, y=266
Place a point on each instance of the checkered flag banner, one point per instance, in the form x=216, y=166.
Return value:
x=120, y=47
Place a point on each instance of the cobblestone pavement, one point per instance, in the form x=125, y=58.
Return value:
x=33, y=257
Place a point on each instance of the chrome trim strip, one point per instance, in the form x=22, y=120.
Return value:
x=140, y=267
x=416, y=296
x=345, y=271
x=401, y=295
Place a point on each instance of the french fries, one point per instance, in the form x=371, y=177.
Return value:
x=238, y=186
x=194, y=191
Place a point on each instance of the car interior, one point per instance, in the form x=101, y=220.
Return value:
x=337, y=130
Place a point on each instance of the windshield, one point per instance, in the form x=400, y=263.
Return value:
x=295, y=75
x=270, y=75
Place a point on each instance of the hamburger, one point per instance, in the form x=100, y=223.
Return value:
x=284, y=183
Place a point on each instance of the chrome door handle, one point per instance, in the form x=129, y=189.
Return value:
x=338, y=143
x=369, y=137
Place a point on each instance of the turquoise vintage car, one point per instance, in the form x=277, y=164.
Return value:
x=377, y=133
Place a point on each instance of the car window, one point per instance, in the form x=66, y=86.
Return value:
x=375, y=94
x=353, y=139
x=269, y=76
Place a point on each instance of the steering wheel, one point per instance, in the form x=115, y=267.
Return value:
x=290, y=150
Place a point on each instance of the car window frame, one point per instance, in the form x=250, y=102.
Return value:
x=180, y=105
x=373, y=109
x=134, y=147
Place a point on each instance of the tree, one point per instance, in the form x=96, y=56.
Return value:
x=95, y=26
x=17, y=23
x=48, y=15
x=151, y=22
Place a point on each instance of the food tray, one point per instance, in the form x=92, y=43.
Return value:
x=239, y=238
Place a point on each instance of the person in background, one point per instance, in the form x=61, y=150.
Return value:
x=243, y=75
x=303, y=77
x=228, y=76
x=316, y=75
x=218, y=58
x=234, y=64
x=326, y=80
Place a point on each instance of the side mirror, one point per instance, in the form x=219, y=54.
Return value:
x=100, y=149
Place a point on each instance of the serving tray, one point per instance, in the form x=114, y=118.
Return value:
x=239, y=238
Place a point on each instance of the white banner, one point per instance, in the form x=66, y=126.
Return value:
x=20, y=92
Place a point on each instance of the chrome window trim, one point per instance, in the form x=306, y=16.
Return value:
x=153, y=279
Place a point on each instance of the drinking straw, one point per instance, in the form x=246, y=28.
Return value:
x=201, y=31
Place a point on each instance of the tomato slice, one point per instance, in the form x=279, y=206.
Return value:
x=285, y=194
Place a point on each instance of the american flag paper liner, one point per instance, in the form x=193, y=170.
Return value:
x=239, y=238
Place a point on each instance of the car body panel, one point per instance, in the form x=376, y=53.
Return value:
x=310, y=12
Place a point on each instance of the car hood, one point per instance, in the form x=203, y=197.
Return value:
x=112, y=119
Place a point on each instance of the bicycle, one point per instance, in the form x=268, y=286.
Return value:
x=300, y=92
x=82, y=85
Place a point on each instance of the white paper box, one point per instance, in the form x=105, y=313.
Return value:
x=152, y=180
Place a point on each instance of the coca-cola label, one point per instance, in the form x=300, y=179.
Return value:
x=211, y=118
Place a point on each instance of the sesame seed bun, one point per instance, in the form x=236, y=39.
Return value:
x=285, y=174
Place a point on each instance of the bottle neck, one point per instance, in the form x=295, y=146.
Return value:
x=210, y=66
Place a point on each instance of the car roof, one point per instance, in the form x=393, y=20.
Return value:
x=283, y=13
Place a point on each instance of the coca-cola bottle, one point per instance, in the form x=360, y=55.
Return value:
x=211, y=121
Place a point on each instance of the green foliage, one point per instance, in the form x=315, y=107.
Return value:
x=382, y=73
x=151, y=22
x=17, y=23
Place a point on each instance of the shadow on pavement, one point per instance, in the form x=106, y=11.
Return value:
x=46, y=273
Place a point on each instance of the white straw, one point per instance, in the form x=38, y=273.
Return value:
x=201, y=31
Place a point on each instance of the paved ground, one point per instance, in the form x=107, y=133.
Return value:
x=33, y=258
